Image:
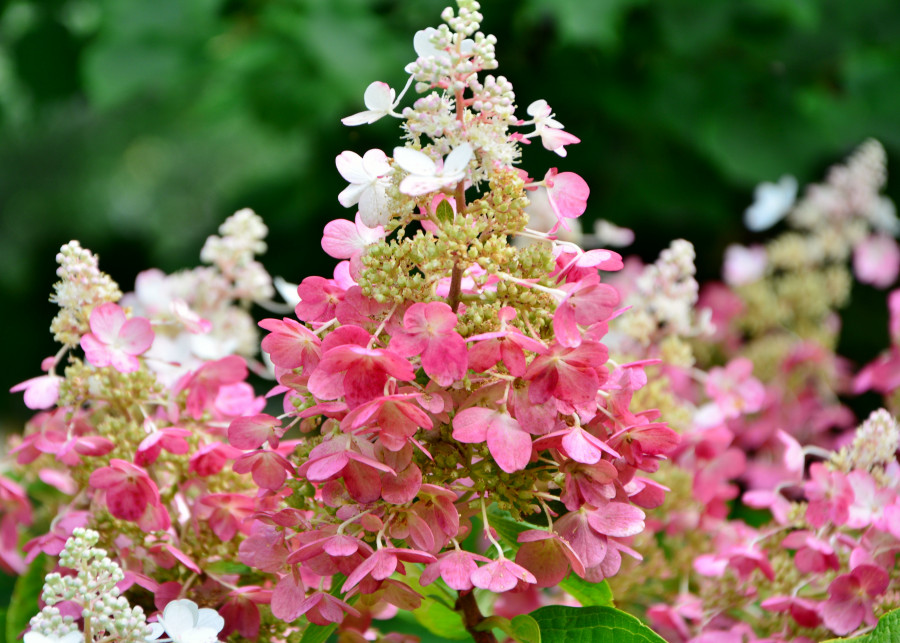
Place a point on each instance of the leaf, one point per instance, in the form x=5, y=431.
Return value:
x=525, y=629
x=507, y=527
x=317, y=633
x=24, y=602
x=887, y=631
x=434, y=614
x=591, y=625
x=441, y=620
x=587, y=593
x=227, y=567
x=444, y=211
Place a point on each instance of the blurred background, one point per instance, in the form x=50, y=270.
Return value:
x=137, y=127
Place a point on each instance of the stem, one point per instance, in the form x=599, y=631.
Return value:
x=455, y=286
x=472, y=616
x=89, y=636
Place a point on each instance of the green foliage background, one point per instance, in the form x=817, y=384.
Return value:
x=138, y=126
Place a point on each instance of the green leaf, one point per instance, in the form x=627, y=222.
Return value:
x=509, y=528
x=439, y=619
x=521, y=628
x=591, y=625
x=317, y=633
x=887, y=631
x=444, y=211
x=24, y=602
x=228, y=567
x=587, y=593
x=434, y=614
x=525, y=629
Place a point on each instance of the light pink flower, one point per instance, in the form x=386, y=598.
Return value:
x=40, y=392
x=876, y=261
x=568, y=194
x=115, y=340
x=553, y=137
x=501, y=575
x=343, y=239
x=734, y=389
x=744, y=265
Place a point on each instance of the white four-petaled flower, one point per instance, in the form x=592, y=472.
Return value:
x=771, y=202
x=424, y=175
x=380, y=100
x=368, y=185
x=184, y=622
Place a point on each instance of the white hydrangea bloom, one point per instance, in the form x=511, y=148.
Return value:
x=771, y=203
x=184, y=622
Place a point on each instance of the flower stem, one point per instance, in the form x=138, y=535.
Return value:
x=472, y=616
x=455, y=286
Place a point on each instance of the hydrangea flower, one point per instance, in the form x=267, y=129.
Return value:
x=184, y=622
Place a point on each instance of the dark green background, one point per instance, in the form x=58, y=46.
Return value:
x=137, y=126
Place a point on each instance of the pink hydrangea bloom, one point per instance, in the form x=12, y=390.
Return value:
x=114, y=340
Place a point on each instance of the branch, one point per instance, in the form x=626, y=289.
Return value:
x=455, y=286
x=472, y=616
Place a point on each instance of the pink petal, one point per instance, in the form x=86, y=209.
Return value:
x=136, y=336
x=106, y=321
x=509, y=445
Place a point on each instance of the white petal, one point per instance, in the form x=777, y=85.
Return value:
x=458, y=160
x=424, y=47
x=373, y=206
x=772, y=202
x=375, y=163
x=379, y=97
x=180, y=616
x=417, y=185
x=199, y=635
x=362, y=118
x=538, y=108
x=414, y=161
x=287, y=290
x=156, y=630
x=350, y=165
x=210, y=618
x=351, y=194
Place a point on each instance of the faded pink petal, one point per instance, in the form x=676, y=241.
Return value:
x=501, y=575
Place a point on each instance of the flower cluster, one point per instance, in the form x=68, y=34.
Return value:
x=91, y=594
x=778, y=524
x=443, y=371
x=473, y=413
